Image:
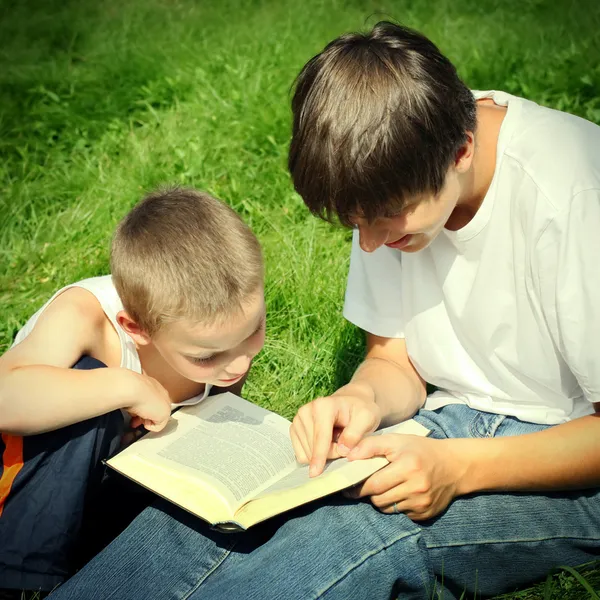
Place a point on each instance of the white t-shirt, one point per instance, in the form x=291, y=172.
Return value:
x=504, y=314
x=106, y=294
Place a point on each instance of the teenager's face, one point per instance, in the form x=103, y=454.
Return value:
x=219, y=354
x=419, y=223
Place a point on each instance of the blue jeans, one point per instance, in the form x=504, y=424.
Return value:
x=51, y=498
x=347, y=550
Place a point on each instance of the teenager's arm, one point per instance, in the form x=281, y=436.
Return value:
x=38, y=390
x=424, y=475
x=566, y=282
x=384, y=389
x=561, y=457
x=565, y=277
x=388, y=378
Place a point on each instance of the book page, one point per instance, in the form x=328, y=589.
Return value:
x=240, y=451
x=224, y=444
x=299, y=476
x=298, y=488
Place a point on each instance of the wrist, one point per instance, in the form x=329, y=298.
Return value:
x=358, y=389
x=474, y=465
x=130, y=386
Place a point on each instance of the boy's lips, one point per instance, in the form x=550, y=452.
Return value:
x=232, y=380
x=402, y=242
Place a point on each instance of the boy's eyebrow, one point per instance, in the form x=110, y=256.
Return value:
x=217, y=350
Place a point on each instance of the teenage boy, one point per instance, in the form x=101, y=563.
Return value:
x=474, y=268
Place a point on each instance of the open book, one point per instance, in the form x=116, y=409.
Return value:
x=232, y=463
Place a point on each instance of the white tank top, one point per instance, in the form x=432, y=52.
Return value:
x=106, y=294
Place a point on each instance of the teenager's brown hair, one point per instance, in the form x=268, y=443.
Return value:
x=181, y=253
x=378, y=119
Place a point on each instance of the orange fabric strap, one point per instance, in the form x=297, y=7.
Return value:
x=13, y=463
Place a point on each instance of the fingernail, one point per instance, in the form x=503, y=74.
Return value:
x=353, y=454
x=343, y=450
x=314, y=470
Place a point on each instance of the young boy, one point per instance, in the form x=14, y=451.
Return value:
x=474, y=267
x=182, y=312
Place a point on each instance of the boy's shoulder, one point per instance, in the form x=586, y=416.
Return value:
x=90, y=301
x=72, y=324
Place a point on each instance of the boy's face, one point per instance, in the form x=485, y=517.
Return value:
x=419, y=223
x=220, y=353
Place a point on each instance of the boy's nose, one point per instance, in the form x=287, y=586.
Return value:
x=370, y=238
x=239, y=365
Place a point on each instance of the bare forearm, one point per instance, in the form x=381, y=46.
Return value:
x=398, y=394
x=566, y=456
x=40, y=398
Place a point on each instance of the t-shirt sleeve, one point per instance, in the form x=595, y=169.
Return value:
x=373, y=294
x=568, y=257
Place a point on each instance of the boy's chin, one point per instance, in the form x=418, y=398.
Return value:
x=228, y=382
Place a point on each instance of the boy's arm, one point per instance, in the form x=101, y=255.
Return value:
x=38, y=390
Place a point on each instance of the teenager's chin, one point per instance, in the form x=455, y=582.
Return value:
x=419, y=242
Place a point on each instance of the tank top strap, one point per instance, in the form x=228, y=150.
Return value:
x=195, y=400
x=104, y=290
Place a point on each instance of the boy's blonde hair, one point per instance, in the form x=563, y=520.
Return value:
x=182, y=254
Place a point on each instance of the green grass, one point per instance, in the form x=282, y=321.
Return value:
x=100, y=101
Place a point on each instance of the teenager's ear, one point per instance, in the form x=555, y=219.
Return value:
x=132, y=328
x=464, y=156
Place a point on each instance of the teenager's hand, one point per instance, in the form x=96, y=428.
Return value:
x=330, y=427
x=151, y=406
x=421, y=480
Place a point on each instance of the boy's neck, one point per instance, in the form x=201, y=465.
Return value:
x=178, y=387
x=476, y=182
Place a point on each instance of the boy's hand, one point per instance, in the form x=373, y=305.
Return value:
x=421, y=480
x=330, y=427
x=152, y=405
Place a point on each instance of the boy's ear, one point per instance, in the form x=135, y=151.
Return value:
x=131, y=327
x=464, y=156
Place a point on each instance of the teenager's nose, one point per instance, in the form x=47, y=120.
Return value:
x=371, y=238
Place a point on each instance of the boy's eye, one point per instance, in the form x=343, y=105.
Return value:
x=202, y=360
x=261, y=326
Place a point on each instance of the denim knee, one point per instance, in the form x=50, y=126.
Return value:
x=87, y=363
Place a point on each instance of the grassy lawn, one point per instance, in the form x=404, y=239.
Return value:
x=100, y=101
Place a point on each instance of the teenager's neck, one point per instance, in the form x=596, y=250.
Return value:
x=476, y=182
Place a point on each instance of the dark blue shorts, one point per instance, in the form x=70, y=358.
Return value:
x=46, y=483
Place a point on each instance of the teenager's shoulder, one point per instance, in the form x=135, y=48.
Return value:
x=555, y=150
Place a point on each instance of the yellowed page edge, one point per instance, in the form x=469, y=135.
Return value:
x=194, y=497
x=265, y=507
x=262, y=508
